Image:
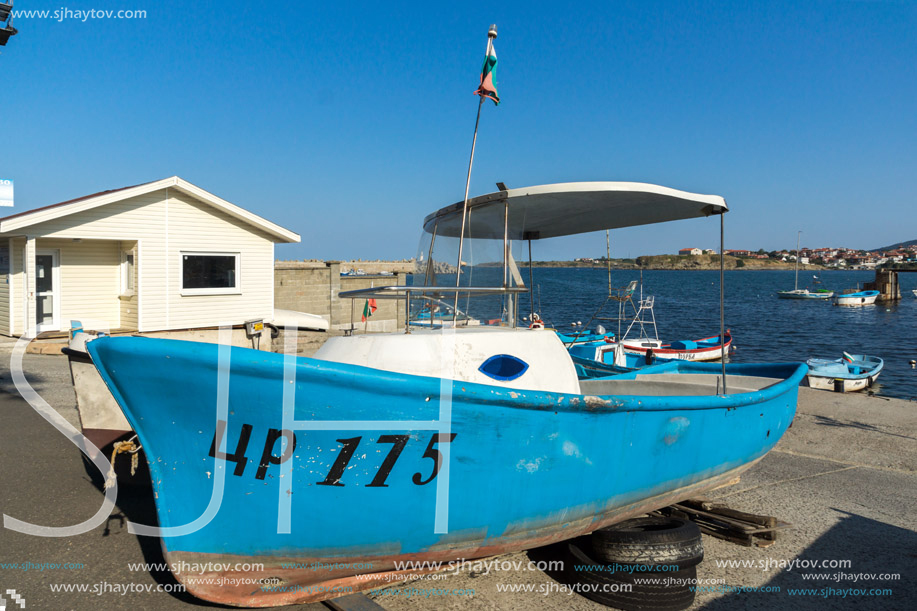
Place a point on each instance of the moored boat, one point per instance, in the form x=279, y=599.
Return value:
x=805, y=294
x=101, y=419
x=430, y=444
x=798, y=293
x=856, y=298
x=705, y=349
x=586, y=337
x=849, y=373
x=640, y=345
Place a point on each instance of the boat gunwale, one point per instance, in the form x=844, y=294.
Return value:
x=877, y=364
x=379, y=381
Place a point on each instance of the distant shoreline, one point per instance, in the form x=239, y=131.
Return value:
x=559, y=265
x=684, y=263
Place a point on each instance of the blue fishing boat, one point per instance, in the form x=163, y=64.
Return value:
x=586, y=337
x=857, y=298
x=431, y=444
x=644, y=347
x=849, y=373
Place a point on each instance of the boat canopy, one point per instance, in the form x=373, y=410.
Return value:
x=560, y=209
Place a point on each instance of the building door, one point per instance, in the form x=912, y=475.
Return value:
x=47, y=290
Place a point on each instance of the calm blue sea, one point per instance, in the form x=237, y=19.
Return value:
x=764, y=328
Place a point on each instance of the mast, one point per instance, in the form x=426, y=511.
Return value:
x=491, y=35
x=796, y=283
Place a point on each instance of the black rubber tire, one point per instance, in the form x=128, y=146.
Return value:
x=670, y=592
x=650, y=541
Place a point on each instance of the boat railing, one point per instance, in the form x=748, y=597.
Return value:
x=430, y=294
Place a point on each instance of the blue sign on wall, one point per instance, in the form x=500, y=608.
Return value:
x=6, y=192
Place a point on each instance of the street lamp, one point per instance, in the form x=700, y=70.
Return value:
x=7, y=31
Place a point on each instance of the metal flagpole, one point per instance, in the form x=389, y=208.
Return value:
x=722, y=303
x=491, y=34
x=608, y=258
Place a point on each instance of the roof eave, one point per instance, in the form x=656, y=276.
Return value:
x=40, y=216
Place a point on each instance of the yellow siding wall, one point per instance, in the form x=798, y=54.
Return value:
x=163, y=224
x=197, y=226
x=16, y=282
x=5, y=293
x=16, y=303
x=89, y=281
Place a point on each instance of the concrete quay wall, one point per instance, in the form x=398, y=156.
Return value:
x=315, y=286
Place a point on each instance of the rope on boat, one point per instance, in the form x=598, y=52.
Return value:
x=123, y=447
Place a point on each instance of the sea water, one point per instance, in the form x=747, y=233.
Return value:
x=764, y=328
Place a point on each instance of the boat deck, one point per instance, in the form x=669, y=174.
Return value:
x=675, y=384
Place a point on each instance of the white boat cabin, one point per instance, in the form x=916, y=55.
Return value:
x=467, y=328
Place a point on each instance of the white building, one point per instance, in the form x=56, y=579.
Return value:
x=163, y=255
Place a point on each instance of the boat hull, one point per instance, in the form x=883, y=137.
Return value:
x=233, y=587
x=524, y=468
x=712, y=351
x=857, y=299
x=803, y=295
x=839, y=384
x=851, y=374
x=101, y=419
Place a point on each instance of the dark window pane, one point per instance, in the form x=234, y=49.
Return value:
x=208, y=271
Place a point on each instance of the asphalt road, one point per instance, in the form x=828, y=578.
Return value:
x=45, y=480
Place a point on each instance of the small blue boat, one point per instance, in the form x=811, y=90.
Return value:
x=586, y=337
x=857, y=298
x=850, y=373
x=432, y=444
x=588, y=368
x=608, y=354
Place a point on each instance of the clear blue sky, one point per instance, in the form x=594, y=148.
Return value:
x=348, y=122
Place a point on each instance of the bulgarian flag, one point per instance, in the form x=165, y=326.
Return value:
x=368, y=309
x=488, y=72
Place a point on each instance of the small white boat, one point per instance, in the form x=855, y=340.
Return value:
x=101, y=418
x=915, y=292
x=851, y=373
x=798, y=293
x=858, y=298
x=805, y=294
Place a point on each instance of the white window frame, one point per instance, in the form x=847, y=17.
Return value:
x=236, y=290
x=128, y=274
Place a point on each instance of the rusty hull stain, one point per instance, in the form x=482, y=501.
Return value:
x=297, y=582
